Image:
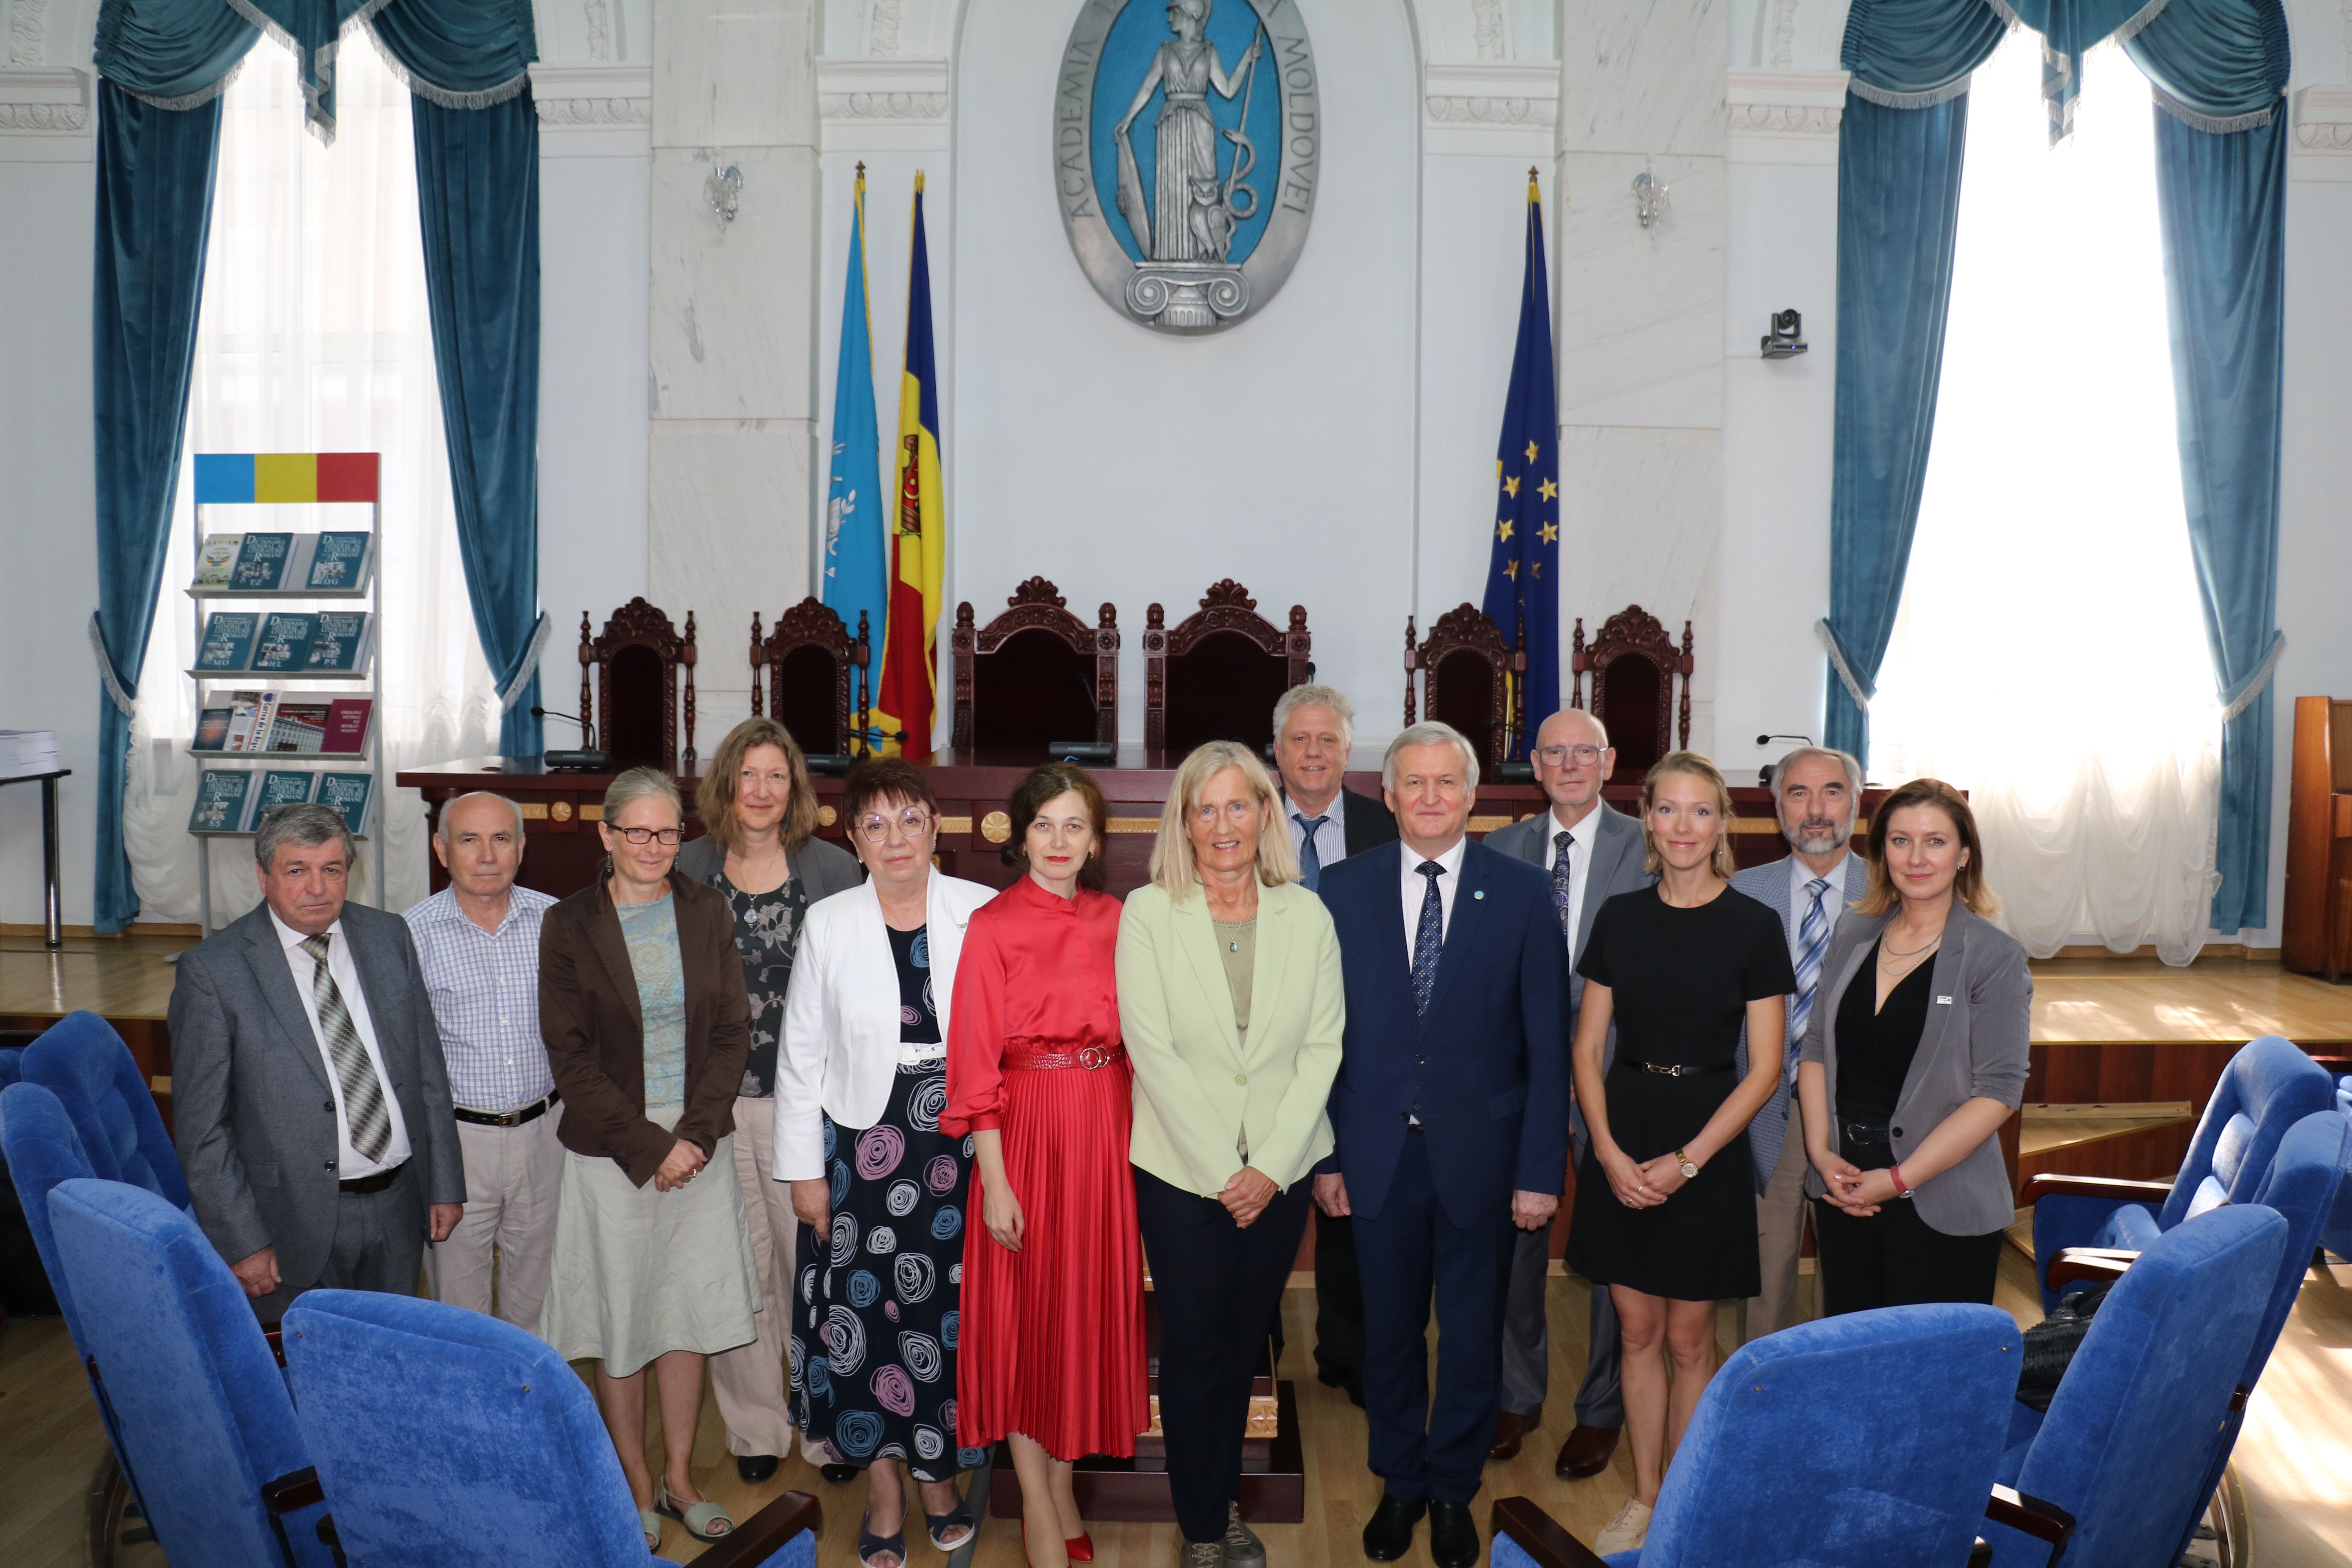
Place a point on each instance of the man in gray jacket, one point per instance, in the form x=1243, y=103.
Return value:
x=311, y=1103
x=1592, y=852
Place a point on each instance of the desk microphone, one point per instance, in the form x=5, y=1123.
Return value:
x=588, y=760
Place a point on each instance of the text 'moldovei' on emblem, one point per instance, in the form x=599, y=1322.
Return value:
x=1187, y=147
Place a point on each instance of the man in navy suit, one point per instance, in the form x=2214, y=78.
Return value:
x=1450, y=1121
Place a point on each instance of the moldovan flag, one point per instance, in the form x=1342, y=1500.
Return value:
x=909, y=681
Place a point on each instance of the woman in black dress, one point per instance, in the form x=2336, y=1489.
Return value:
x=1665, y=1204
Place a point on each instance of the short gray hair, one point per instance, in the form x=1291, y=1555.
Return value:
x=1428, y=733
x=636, y=784
x=1846, y=760
x=441, y=822
x=1313, y=696
x=305, y=826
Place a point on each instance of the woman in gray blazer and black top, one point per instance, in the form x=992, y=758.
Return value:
x=1913, y=1059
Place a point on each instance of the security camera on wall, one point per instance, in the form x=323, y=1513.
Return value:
x=1787, y=338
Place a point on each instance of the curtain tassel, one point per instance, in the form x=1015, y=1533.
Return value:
x=525, y=667
x=1854, y=686
x=2237, y=698
x=122, y=699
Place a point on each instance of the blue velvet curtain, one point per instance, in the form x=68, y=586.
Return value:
x=2221, y=200
x=1898, y=215
x=153, y=216
x=478, y=193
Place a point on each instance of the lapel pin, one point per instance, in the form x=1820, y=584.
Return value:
x=1477, y=893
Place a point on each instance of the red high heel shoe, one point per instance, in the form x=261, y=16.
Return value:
x=1079, y=1548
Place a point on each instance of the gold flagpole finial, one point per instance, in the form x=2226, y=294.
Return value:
x=1535, y=190
x=861, y=168
x=918, y=181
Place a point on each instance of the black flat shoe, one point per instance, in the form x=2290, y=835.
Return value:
x=838, y=1474
x=1452, y=1535
x=1389, y=1534
x=755, y=1467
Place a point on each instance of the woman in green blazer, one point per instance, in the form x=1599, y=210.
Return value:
x=1229, y=997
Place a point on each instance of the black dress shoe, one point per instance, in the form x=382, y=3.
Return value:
x=1452, y=1535
x=1389, y=1534
x=838, y=1474
x=1353, y=1382
x=755, y=1467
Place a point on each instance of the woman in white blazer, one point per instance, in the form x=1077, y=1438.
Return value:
x=861, y=1079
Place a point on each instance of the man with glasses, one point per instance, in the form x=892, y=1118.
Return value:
x=1314, y=731
x=1591, y=853
x=1817, y=792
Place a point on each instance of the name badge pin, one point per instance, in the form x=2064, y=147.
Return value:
x=1942, y=1001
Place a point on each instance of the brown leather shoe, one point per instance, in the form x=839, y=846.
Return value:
x=1586, y=1452
x=1510, y=1426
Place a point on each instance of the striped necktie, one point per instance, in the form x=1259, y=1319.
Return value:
x=1813, y=942
x=363, y=1103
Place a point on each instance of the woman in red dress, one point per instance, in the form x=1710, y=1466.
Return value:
x=1050, y=1348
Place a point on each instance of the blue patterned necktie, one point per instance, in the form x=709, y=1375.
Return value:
x=1769, y=1134
x=1430, y=940
x=1310, y=863
x=1562, y=884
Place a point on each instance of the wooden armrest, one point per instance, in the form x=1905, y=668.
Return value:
x=2041, y=1520
x=2092, y=1265
x=1539, y=1535
x=2050, y=1186
x=758, y=1537
x=275, y=1335
x=294, y=1490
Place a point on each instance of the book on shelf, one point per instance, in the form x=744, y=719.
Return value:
x=216, y=561
x=279, y=788
x=221, y=794
x=351, y=793
x=212, y=730
x=263, y=562
x=349, y=719
x=298, y=726
x=248, y=720
x=284, y=643
x=228, y=641
x=338, y=642
x=337, y=559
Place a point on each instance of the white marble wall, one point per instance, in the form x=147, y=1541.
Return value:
x=730, y=344
x=1641, y=323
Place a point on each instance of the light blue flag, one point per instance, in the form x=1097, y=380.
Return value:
x=855, y=507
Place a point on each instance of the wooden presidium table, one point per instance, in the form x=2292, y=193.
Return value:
x=974, y=789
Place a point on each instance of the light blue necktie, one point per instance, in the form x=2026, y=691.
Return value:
x=1430, y=940
x=1769, y=1133
x=1310, y=861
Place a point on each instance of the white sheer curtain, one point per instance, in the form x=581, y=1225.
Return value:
x=314, y=337
x=2048, y=656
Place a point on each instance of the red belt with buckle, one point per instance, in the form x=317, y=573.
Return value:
x=1093, y=1059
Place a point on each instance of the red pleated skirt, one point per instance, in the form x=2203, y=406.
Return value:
x=1051, y=1342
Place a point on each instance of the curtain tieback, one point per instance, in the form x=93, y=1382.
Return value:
x=2237, y=698
x=1861, y=691
x=123, y=699
x=525, y=667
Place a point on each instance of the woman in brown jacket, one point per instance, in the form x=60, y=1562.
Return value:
x=642, y=1003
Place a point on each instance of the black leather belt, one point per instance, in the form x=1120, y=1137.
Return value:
x=532, y=1113
x=374, y=1183
x=1674, y=1069
x=1865, y=1132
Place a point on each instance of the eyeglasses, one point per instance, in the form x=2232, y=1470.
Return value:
x=643, y=836
x=911, y=823
x=1584, y=756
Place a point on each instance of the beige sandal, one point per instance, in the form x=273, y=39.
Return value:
x=703, y=1521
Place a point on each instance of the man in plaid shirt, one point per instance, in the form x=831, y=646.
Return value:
x=477, y=940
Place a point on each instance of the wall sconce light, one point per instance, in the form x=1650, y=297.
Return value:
x=1650, y=199
x=724, y=191
x=1786, y=339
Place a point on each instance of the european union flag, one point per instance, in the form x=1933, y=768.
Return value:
x=1523, y=567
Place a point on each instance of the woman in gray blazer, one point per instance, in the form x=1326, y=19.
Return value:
x=1914, y=1058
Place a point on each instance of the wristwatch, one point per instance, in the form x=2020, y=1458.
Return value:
x=1690, y=1171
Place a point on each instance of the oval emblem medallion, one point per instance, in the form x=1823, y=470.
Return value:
x=1187, y=147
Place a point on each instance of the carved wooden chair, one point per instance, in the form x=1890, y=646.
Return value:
x=638, y=658
x=1035, y=674
x=1467, y=669
x=1633, y=664
x=1216, y=675
x=808, y=659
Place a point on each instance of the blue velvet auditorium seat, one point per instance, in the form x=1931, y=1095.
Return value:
x=84, y=1062
x=2267, y=1088
x=205, y=1426
x=1863, y=1441
x=43, y=1150
x=446, y=1439
x=12, y=1065
x=2127, y=1447
x=2337, y=1236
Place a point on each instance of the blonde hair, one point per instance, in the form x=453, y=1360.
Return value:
x=1968, y=883
x=1173, y=865
x=714, y=798
x=1696, y=766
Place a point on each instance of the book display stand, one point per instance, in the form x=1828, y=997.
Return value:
x=289, y=694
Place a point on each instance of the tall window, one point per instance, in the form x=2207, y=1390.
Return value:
x=2049, y=655
x=314, y=337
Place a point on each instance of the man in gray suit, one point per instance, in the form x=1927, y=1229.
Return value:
x=1817, y=792
x=1593, y=853
x=311, y=1103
